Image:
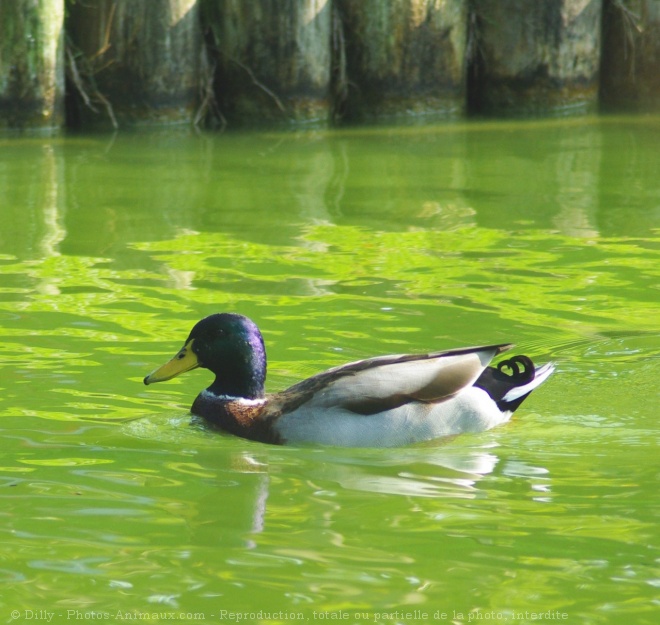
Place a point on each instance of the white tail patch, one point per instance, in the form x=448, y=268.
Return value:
x=540, y=376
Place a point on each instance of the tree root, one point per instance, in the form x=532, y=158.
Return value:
x=85, y=85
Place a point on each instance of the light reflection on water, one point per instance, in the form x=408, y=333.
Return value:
x=340, y=245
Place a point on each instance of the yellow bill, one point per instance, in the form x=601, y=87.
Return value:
x=185, y=360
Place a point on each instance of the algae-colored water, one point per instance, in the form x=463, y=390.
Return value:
x=340, y=245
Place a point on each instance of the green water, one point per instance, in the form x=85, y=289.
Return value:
x=341, y=245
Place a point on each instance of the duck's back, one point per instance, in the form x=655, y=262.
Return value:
x=392, y=400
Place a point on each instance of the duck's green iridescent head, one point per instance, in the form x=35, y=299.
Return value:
x=228, y=344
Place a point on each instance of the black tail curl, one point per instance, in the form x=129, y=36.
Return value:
x=517, y=374
x=510, y=373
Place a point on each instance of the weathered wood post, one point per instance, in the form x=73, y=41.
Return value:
x=631, y=55
x=273, y=59
x=535, y=56
x=31, y=64
x=403, y=59
x=136, y=62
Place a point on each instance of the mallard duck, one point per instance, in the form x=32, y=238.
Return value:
x=385, y=401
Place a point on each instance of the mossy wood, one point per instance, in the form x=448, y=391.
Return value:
x=143, y=59
x=404, y=59
x=273, y=59
x=31, y=63
x=539, y=57
x=631, y=55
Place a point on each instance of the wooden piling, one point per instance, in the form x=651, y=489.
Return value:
x=631, y=55
x=302, y=61
x=135, y=62
x=404, y=59
x=272, y=59
x=31, y=64
x=535, y=56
